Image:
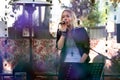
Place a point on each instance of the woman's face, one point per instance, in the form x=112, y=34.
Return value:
x=66, y=16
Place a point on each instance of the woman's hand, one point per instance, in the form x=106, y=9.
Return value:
x=63, y=28
x=83, y=58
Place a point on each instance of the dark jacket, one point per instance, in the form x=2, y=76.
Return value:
x=81, y=39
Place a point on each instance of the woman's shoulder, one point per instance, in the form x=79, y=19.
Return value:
x=80, y=28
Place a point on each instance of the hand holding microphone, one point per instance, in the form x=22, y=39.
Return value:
x=63, y=26
x=63, y=22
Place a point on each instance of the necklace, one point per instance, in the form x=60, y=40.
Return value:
x=72, y=53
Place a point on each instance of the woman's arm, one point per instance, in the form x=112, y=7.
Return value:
x=86, y=47
x=61, y=35
x=60, y=42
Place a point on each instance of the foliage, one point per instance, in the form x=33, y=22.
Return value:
x=115, y=3
x=93, y=18
x=10, y=11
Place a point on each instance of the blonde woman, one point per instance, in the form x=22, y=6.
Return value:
x=73, y=41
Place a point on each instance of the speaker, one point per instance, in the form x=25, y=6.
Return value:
x=118, y=33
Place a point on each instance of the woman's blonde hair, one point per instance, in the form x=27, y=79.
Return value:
x=74, y=22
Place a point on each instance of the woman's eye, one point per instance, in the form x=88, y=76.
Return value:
x=67, y=15
x=62, y=17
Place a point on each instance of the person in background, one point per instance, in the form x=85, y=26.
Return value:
x=73, y=41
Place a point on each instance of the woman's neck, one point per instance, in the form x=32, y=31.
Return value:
x=70, y=28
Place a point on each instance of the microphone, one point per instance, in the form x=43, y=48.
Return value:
x=63, y=22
